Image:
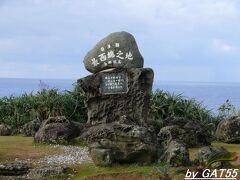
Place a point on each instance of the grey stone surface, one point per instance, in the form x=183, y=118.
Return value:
x=206, y=152
x=13, y=169
x=192, y=133
x=118, y=49
x=48, y=172
x=176, y=154
x=31, y=128
x=112, y=83
x=102, y=157
x=57, y=130
x=133, y=105
x=5, y=130
x=71, y=155
x=228, y=130
x=121, y=143
x=118, y=100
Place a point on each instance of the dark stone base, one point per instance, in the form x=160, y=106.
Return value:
x=13, y=169
x=191, y=133
x=228, y=130
x=118, y=130
x=121, y=143
x=57, y=130
x=107, y=108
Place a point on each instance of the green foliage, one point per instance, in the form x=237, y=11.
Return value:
x=228, y=147
x=164, y=105
x=221, y=156
x=227, y=110
x=85, y=171
x=16, y=111
x=162, y=171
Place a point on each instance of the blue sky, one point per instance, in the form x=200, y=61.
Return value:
x=182, y=40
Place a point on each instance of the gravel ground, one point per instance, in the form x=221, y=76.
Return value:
x=50, y=165
x=72, y=155
x=56, y=165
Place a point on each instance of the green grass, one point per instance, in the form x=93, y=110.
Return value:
x=19, y=110
x=89, y=170
x=229, y=147
x=164, y=104
x=117, y=172
x=140, y=172
x=12, y=147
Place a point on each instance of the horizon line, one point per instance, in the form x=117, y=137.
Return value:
x=158, y=81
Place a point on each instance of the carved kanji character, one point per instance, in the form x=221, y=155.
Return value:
x=95, y=62
x=110, y=54
x=129, y=56
x=119, y=54
x=102, y=57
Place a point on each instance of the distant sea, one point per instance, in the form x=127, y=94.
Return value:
x=212, y=95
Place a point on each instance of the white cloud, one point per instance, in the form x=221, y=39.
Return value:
x=46, y=68
x=8, y=69
x=187, y=12
x=13, y=69
x=185, y=73
x=150, y=11
x=47, y=32
x=11, y=45
x=224, y=47
x=7, y=46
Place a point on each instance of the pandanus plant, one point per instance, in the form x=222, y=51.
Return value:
x=162, y=171
x=164, y=104
x=221, y=156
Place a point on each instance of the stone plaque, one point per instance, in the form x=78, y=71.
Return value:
x=117, y=50
x=113, y=83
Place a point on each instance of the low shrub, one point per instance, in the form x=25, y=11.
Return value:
x=228, y=110
x=165, y=104
x=18, y=110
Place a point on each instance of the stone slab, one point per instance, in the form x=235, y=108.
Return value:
x=134, y=104
x=118, y=49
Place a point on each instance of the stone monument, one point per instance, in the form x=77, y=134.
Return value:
x=117, y=98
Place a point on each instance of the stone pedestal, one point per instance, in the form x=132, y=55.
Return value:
x=118, y=105
x=119, y=142
x=111, y=98
x=117, y=99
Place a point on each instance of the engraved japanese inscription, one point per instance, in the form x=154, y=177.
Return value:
x=116, y=50
x=108, y=56
x=114, y=83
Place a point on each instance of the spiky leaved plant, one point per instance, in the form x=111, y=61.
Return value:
x=162, y=171
x=221, y=156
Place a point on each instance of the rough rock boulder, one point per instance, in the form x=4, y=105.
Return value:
x=176, y=154
x=31, y=128
x=118, y=49
x=205, y=153
x=58, y=130
x=117, y=98
x=5, y=130
x=13, y=169
x=121, y=143
x=228, y=130
x=106, y=108
x=192, y=133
